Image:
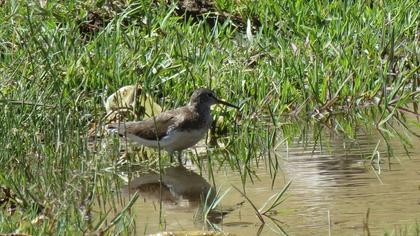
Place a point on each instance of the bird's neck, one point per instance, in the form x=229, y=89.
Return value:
x=200, y=106
x=203, y=110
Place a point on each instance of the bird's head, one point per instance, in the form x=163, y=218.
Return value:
x=206, y=97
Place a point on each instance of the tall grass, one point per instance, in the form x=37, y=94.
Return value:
x=59, y=61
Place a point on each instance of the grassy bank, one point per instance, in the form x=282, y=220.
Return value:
x=59, y=61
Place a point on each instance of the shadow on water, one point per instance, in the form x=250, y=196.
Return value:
x=177, y=188
x=347, y=178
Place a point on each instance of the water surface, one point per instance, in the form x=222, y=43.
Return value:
x=335, y=189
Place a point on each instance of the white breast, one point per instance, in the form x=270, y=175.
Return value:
x=179, y=140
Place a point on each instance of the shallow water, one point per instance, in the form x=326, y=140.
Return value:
x=333, y=188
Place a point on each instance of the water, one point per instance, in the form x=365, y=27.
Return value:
x=335, y=190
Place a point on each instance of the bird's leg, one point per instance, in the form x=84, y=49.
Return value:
x=180, y=158
x=171, y=156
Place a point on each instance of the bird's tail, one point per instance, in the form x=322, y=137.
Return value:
x=114, y=128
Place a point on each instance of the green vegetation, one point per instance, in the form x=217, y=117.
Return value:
x=59, y=60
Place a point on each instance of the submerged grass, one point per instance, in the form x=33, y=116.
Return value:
x=60, y=60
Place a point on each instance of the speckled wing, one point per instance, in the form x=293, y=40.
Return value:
x=149, y=129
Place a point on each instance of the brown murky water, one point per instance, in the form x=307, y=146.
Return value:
x=333, y=188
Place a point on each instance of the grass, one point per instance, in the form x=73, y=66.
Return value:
x=60, y=60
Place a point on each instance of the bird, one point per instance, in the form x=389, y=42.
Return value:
x=173, y=130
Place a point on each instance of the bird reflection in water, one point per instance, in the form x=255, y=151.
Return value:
x=181, y=189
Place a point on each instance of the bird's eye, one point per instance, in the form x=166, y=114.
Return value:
x=210, y=95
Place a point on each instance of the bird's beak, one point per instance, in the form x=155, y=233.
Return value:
x=226, y=103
